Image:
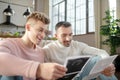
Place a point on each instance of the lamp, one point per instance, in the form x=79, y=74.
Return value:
x=27, y=12
x=8, y=11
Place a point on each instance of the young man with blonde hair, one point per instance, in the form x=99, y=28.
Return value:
x=22, y=57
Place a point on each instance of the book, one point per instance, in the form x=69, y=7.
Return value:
x=100, y=66
x=75, y=66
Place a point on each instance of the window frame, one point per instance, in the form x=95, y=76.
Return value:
x=65, y=18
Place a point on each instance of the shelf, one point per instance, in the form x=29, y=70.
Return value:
x=8, y=36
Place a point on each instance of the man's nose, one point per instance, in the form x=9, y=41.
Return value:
x=68, y=38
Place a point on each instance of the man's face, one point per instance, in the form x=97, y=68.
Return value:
x=37, y=32
x=64, y=35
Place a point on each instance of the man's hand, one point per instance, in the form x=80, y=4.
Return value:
x=50, y=71
x=109, y=71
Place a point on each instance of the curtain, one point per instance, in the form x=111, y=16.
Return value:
x=118, y=9
x=118, y=16
x=42, y=6
x=100, y=6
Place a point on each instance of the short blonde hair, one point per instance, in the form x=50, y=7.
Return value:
x=38, y=16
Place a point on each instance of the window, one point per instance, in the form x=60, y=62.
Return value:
x=112, y=6
x=78, y=12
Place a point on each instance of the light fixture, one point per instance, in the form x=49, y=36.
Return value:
x=27, y=12
x=8, y=11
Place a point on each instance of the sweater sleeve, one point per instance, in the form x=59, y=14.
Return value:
x=95, y=51
x=11, y=65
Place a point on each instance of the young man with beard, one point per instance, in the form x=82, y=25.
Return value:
x=22, y=59
x=64, y=47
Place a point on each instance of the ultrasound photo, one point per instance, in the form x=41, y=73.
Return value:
x=74, y=66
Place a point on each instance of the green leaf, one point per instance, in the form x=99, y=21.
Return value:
x=112, y=30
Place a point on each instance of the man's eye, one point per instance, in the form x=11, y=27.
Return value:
x=70, y=35
x=40, y=30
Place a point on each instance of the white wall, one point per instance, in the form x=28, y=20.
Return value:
x=86, y=38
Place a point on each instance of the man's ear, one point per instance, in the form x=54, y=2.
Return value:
x=27, y=27
x=55, y=35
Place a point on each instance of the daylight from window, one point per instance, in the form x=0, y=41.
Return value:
x=78, y=12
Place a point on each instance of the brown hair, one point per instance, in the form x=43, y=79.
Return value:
x=62, y=24
x=38, y=16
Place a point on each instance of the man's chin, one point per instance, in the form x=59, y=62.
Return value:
x=66, y=45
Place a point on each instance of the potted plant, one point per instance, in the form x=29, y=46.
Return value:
x=112, y=31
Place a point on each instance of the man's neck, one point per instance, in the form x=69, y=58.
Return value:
x=26, y=41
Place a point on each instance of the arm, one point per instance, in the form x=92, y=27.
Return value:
x=95, y=51
x=108, y=71
x=12, y=65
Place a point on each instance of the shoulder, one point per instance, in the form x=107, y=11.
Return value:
x=8, y=41
x=51, y=47
x=51, y=44
x=8, y=44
